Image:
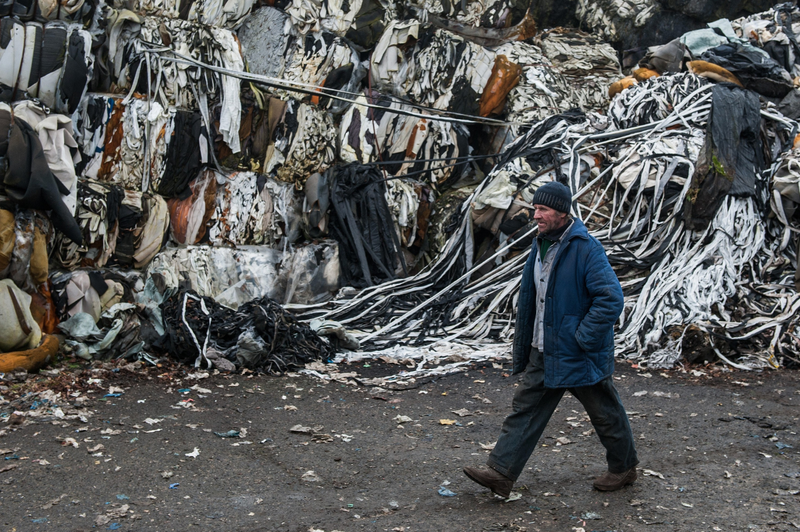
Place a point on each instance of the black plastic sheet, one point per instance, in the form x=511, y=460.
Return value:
x=755, y=70
x=362, y=224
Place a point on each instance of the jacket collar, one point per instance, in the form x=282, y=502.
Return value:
x=578, y=230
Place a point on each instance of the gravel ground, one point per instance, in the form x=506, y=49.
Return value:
x=719, y=450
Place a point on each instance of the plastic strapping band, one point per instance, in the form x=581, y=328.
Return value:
x=23, y=322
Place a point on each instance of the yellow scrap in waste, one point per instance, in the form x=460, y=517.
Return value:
x=447, y=422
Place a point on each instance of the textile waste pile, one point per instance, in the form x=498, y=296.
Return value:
x=245, y=185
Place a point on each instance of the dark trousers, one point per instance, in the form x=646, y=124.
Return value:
x=533, y=405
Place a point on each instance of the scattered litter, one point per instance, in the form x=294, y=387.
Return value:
x=310, y=476
x=194, y=454
x=447, y=422
x=49, y=504
x=229, y=434
x=446, y=492
x=111, y=514
x=651, y=473
x=300, y=429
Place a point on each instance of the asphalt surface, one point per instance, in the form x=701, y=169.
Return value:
x=719, y=450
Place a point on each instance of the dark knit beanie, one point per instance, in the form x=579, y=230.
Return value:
x=553, y=195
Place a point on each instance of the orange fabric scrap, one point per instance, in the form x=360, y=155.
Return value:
x=621, y=85
x=505, y=76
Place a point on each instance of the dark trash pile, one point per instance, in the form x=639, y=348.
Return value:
x=259, y=334
x=180, y=176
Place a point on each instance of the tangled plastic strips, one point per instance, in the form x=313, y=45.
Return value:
x=276, y=341
x=672, y=276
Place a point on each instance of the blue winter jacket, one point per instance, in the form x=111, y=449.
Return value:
x=584, y=300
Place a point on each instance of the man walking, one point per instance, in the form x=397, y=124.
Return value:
x=569, y=300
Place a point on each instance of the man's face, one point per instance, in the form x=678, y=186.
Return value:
x=549, y=219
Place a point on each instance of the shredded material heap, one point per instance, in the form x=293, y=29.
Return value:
x=259, y=335
x=374, y=164
x=672, y=183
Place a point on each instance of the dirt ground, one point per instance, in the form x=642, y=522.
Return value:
x=719, y=450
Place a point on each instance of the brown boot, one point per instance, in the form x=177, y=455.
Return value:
x=614, y=481
x=489, y=478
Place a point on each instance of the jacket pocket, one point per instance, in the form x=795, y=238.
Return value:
x=567, y=342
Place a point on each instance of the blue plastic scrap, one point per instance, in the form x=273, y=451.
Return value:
x=445, y=492
x=174, y=486
x=229, y=434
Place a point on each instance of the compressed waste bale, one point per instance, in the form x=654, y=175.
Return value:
x=588, y=64
x=58, y=144
x=98, y=205
x=28, y=181
x=114, y=136
x=276, y=215
x=542, y=89
x=264, y=39
x=422, y=148
x=316, y=59
x=210, y=271
x=52, y=62
x=303, y=142
x=226, y=14
x=148, y=73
